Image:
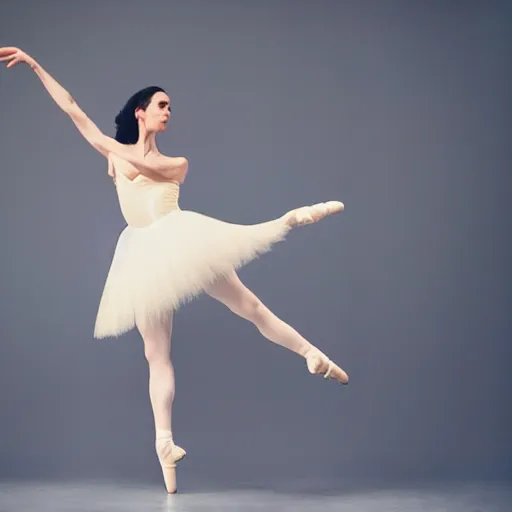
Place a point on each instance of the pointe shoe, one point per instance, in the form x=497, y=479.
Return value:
x=319, y=363
x=168, y=455
x=310, y=214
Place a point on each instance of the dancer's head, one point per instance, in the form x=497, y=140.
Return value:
x=149, y=108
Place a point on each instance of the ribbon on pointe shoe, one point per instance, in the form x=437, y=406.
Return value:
x=167, y=451
x=318, y=363
x=330, y=367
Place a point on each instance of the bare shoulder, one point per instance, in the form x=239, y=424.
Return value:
x=121, y=165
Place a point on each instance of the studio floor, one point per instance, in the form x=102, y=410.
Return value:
x=122, y=497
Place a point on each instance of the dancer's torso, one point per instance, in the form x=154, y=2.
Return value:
x=142, y=200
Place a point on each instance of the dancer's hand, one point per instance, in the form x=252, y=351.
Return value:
x=13, y=56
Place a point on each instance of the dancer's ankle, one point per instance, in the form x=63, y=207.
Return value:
x=309, y=350
x=163, y=434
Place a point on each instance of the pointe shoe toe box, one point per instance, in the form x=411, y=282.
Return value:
x=335, y=206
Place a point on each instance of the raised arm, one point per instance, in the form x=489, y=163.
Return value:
x=165, y=167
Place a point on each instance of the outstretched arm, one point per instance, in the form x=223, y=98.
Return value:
x=166, y=167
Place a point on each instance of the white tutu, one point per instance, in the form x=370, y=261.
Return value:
x=157, y=268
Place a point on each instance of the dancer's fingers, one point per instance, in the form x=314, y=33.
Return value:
x=13, y=63
x=8, y=50
x=9, y=57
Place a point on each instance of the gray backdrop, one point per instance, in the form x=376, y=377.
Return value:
x=400, y=109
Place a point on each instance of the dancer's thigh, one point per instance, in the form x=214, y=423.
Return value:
x=230, y=291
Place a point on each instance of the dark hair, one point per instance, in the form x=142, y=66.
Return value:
x=127, y=127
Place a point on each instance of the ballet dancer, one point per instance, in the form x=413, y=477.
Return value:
x=165, y=256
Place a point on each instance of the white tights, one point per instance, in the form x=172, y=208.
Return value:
x=239, y=299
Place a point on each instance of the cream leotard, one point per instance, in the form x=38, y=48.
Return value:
x=143, y=200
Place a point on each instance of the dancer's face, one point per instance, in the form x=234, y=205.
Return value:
x=157, y=114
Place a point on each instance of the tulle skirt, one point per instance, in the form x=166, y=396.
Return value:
x=157, y=268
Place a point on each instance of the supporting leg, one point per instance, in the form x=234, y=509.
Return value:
x=157, y=345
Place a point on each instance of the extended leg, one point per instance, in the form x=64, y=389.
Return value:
x=239, y=299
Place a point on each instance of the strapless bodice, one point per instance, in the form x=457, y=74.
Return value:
x=143, y=200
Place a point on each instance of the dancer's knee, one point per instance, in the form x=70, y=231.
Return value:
x=157, y=341
x=156, y=356
x=238, y=298
x=251, y=308
x=156, y=351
